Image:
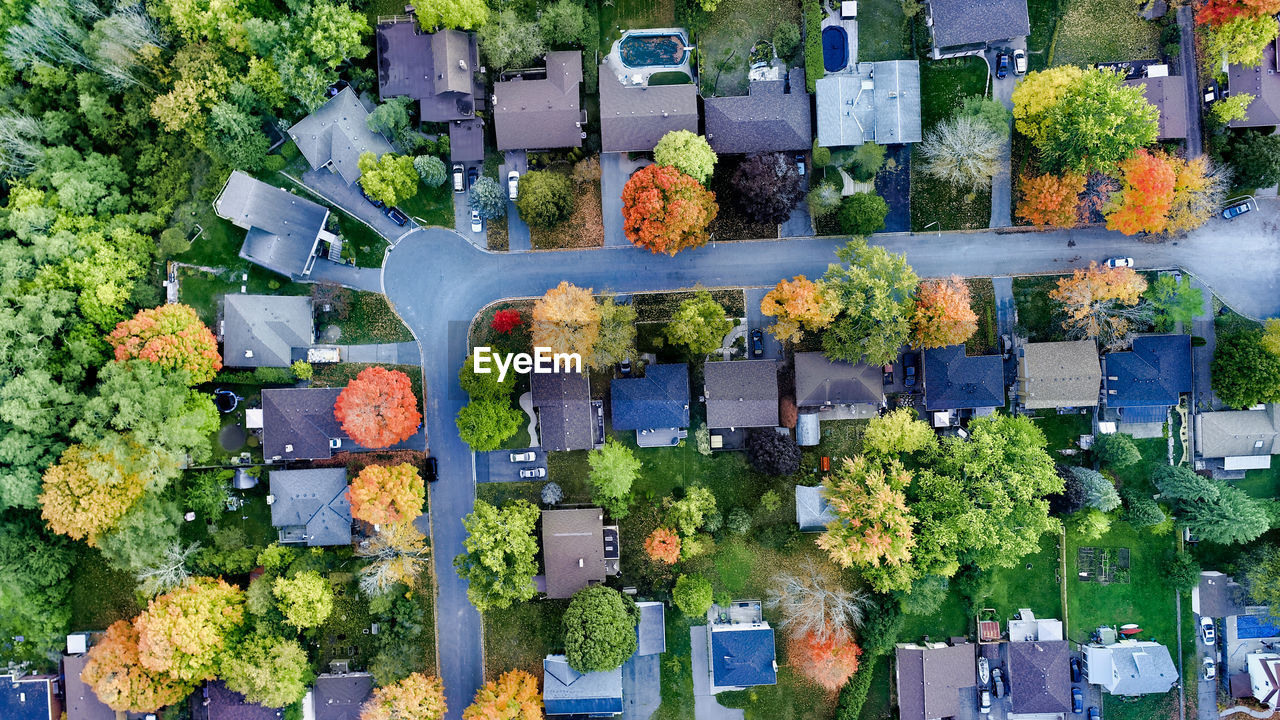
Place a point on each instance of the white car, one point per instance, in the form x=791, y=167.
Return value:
x=459, y=175
x=1210, y=669
x=1207, y=632
x=526, y=456
x=477, y=225
x=513, y=184
x=537, y=472
x=1119, y=262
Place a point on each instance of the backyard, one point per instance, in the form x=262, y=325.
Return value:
x=620, y=15
x=884, y=32
x=1094, y=31
x=937, y=205
x=729, y=35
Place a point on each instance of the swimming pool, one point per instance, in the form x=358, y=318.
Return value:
x=835, y=48
x=639, y=50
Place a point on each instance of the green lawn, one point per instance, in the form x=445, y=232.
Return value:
x=730, y=33
x=367, y=245
x=944, y=83
x=983, y=302
x=432, y=206
x=339, y=374
x=369, y=320
x=100, y=595
x=203, y=291
x=522, y=635
x=1063, y=432
x=1044, y=21
x=1037, y=313
x=1144, y=600
x=1093, y=31
x=935, y=205
x=1262, y=483
x=884, y=33
x=677, y=669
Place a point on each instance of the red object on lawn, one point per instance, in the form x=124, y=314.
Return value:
x=826, y=464
x=1130, y=630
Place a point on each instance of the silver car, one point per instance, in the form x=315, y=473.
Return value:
x=513, y=185
x=536, y=472
x=527, y=456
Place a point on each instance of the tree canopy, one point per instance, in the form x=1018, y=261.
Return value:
x=387, y=493
x=173, y=337
x=378, y=408
x=391, y=178
x=614, y=467
x=943, y=314
x=1245, y=370
x=699, y=324
x=501, y=554
x=566, y=320
x=873, y=289
x=665, y=210
x=416, y=697
x=687, y=152
x=599, y=629
x=798, y=305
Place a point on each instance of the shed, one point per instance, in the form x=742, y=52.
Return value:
x=808, y=430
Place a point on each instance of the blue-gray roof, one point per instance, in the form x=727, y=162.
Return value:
x=336, y=134
x=651, y=631
x=25, y=699
x=569, y=692
x=660, y=399
x=955, y=381
x=1154, y=373
x=813, y=512
x=742, y=658
x=315, y=499
x=874, y=102
x=283, y=228
x=264, y=330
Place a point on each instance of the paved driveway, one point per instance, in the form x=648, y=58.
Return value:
x=518, y=238
x=358, y=278
x=615, y=170
x=1002, y=90
x=705, y=706
x=462, y=215
x=1191, y=76
x=757, y=319
x=330, y=186
x=496, y=466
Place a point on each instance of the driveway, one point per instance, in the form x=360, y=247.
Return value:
x=641, y=686
x=462, y=214
x=385, y=353
x=1006, y=310
x=1002, y=90
x=895, y=187
x=705, y=706
x=1191, y=75
x=757, y=319
x=496, y=466
x=1201, y=357
x=615, y=171
x=330, y=186
x=356, y=278
x=518, y=237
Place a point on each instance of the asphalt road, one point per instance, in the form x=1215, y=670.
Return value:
x=438, y=281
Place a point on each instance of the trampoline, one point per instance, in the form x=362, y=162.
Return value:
x=835, y=48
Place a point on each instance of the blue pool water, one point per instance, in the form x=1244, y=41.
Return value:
x=835, y=48
x=1256, y=626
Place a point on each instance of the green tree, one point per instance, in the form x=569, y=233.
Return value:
x=699, y=324
x=305, y=599
x=874, y=289
x=486, y=424
x=614, y=467
x=898, y=432
x=268, y=670
x=692, y=594
x=501, y=554
x=617, y=339
x=564, y=23
x=689, y=513
x=509, y=40
x=390, y=178
x=1117, y=450
x=786, y=38
x=1181, y=571
x=1254, y=158
x=862, y=213
x=487, y=197
x=236, y=137
x=1098, y=122
x=154, y=406
x=1141, y=511
x=1090, y=524
x=391, y=118
x=461, y=14
x=1233, y=517
x=35, y=585
x=485, y=386
x=989, y=112
x=1263, y=577
x=1178, y=483
x=546, y=198
x=599, y=629
x=687, y=152
x=1233, y=108
x=140, y=537
x=1245, y=372
x=1173, y=301
x=431, y=170
x=1241, y=40
x=824, y=199
x=1099, y=492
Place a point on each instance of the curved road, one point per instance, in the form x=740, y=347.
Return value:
x=437, y=282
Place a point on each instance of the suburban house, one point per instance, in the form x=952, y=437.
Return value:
x=836, y=389
x=967, y=27
x=1140, y=385
x=656, y=405
x=218, y=702
x=633, y=118
x=1218, y=596
x=82, y=702
x=1264, y=676
x=1039, y=677
x=266, y=330
x=336, y=135
x=1262, y=81
x=931, y=678
x=741, y=393
x=955, y=381
x=740, y=647
x=1130, y=667
x=283, y=230
x=541, y=110
x=566, y=417
x=578, y=550
x=1238, y=440
x=298, y=424
x=566, y=691
x=1169, y=95
x=813, y=512
x=1059, y=375
x=774, y=116
x=29, y=697
x=878, y=102
x=310, y=507
x=338, y=696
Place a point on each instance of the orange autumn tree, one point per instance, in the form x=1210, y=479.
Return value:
x=1051, y=200
x=513, y=696
x=1102, y=302
x=566, y=320
x=1147, y=196
x=663, y=545
x=666, y=211
x=378, y=408
x=173, y=337
x=873, y=527
x=383, y=494
x=799, y=304
x=943, y=316
x=87, y=492
x=416, y=697
x=1220, y=12
x=186, y=632
x=828, y=662
x=119, y=679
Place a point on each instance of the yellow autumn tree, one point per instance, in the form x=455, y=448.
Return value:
x=873, y=526
x=399, y=556
x=87, y=492
x=1103, y=303
x=1038, y=92
x=416, y=697
x=566, y=320
x=799, y=304
x=513, y=696
x=383, y=494
x=1198, y=193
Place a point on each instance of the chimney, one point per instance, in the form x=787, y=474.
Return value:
x=579, y=562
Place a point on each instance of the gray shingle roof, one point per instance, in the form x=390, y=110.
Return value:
x=651, y=631
x=543, y=113
x=1039, y=678
x=315, y=499
x=263, y=330
x=954, y=381
x=741, y=393
x=339, y=697
x=930, y=680
x=569, y=692
x=336, y=134
x=298, y=424
x=821, y=381
x=82, y=701
x=572, y=550
x=1131, y=668
x=1262, y=81
x=1169, y=95
x=966, y=22
x=1236, y=433
x=283, y=228
x=1218, y=596
x=1059, y=374
x=634, y=119
x=878, y=102
x=764, y=120
x=563, y=401
x=813, y=512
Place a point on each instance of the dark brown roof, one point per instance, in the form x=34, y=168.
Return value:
x=1169, y=95
x=563, y=401
x=768, y=119
x=466, y=140
x=634, y=119
x=572, y=549
x=930, y=680
x=741, y=393
x=967, y=22
x=437, y=69
x=1039, y=679
x=225, y=704
x=821, y=381
x=1262, y=81
x=543, y=112
x=298, y=424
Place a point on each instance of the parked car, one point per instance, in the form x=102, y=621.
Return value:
x=1077, y=701
x=375, y=203
x=1020, y=62
x=1006, y=345
x=433, y=469
x=997, y=681
x=513, y=184
x=1002, y=65
x=1207, y=631
x=1119, y=262
x=984, y=701
x=1210, y=669
x=527, y=456
x=472, y=175
x=396, y=216
x=1237, y=210
x=1094, y=714
x=757, y=343
x=887, y=373
x=909, y=370
x=459, y=177
x=800, y=163
x=1076, y=675
x=624, y=368
x=477, y=225
x=536, y=472
x=1210, y=94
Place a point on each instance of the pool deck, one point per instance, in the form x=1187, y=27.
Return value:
x=639, y=77
x=850, y=26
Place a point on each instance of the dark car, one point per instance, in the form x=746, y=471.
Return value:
x=397, y=217
x=757, y=343
x=433, y=469
x=376, y=203
x=1094, y=714
x=1075, y=670
x=1077, y=701
x=1237, y=210
x=472, y=175
x=1002, y=65
x=624, y=368
x=909, y=371
x=887, y=373
x=997, y=681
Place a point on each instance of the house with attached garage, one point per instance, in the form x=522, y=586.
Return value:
x=1262, y=81
x=266, y=330
x=541, y=109
x=82, y=703
x=1059, y=375
x=284, y=232
x=740, y=646
x=567, y=418
x=838, y=390
x=655, y=405
x=774, y=116
x=968, y=27
x=1231, y=442
x=218, y=702
x=1130, y=667
x=1168, y=93
x=876, y=102
x=1039, y=676
x=336, y=134
x=310, y=507
x=633, y=118
x=933, y=677
x=741, y=393
x=339, y=694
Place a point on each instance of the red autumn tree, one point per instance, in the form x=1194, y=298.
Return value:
x=378, y=409
x=173, y=337
x=505, y=321
x=943, y=316
x=827, y=662
x=1051, y=200
x=1220, y=12
x=665, y=210
x=384, y=494
x=120, y=680
x=1147, y=196
x=663, y=545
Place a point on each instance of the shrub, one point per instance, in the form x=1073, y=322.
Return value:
x=773, y=453
x=786, y=37
x=546, y=198
x=274, y=163
x=739, y=521
x=868, y=158
x=692, y=595
x=431, y=170
x=813, y=67
x=862, y=213
x=821, y=155
x=823, y=200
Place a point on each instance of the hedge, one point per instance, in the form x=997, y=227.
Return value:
x=813, y=68
x=854, y=693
